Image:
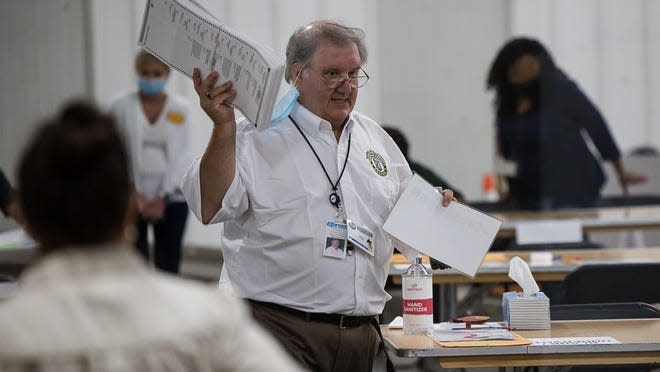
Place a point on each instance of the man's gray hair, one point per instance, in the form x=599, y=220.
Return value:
x=306, y=39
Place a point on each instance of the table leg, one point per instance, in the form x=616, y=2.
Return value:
x=446, y=302
x=451, y=300
x=441, y=303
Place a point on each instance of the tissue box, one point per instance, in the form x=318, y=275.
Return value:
x=532, y=312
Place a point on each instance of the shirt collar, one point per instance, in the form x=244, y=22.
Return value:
x=311, y=124
x=78, y=263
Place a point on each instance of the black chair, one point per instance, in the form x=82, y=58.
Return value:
x=616, y=310
x=626, y=282
x=628, y=201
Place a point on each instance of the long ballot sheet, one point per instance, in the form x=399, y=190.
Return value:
x=185, y=35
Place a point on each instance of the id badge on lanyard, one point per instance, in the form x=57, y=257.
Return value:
x=335, y=239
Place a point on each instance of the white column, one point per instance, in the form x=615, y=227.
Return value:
x=623, y=76
x=651, y=12
x=434, y=58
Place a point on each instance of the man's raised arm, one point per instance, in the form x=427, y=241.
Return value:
x=218, y=164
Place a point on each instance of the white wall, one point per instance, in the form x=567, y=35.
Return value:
x=434, y=58
x=44, y=62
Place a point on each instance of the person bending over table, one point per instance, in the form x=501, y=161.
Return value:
x=541, y=119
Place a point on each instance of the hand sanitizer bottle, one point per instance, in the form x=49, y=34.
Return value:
x=417, y=298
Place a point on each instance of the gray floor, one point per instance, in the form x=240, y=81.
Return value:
x=201, y=263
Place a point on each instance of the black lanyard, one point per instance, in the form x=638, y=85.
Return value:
x=334, y=197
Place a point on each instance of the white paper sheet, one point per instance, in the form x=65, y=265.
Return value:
x=566, y=341
x=541, y=258
x=457, y=235
x=396, y=323
x=549, y=231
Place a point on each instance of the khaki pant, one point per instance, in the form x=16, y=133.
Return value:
x=321, y=346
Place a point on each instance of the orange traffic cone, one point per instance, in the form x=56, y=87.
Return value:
x=489, y=187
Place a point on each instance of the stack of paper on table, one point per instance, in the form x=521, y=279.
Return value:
x=531, y=312
x=488, y=334
x=448, y=331
x=472, y=335
x=457, y=335
x=457, y=235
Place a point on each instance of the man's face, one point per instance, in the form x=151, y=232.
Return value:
x=333, y=105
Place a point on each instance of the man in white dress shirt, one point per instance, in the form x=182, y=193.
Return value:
x=283, y=192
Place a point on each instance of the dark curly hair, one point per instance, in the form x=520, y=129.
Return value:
x=73, y=179
x=498, y=76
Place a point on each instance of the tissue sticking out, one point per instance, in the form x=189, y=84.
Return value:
x=520, y=273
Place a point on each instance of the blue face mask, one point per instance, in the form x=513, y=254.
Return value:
x=285, y=104
x=150, y=87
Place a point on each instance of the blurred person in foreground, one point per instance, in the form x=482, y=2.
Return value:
x=541, y=119
x=89, y=303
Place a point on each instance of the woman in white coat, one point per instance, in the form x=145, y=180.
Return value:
x=156, y=130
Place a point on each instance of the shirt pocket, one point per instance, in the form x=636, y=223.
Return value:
x=278, y=200
x=382, y=196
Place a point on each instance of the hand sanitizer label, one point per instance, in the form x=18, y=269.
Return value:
x=417, y=304
x=418, y=307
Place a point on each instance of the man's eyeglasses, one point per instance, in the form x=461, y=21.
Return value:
x=334, y=78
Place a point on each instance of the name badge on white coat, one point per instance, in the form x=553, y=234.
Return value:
x=361, y=237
